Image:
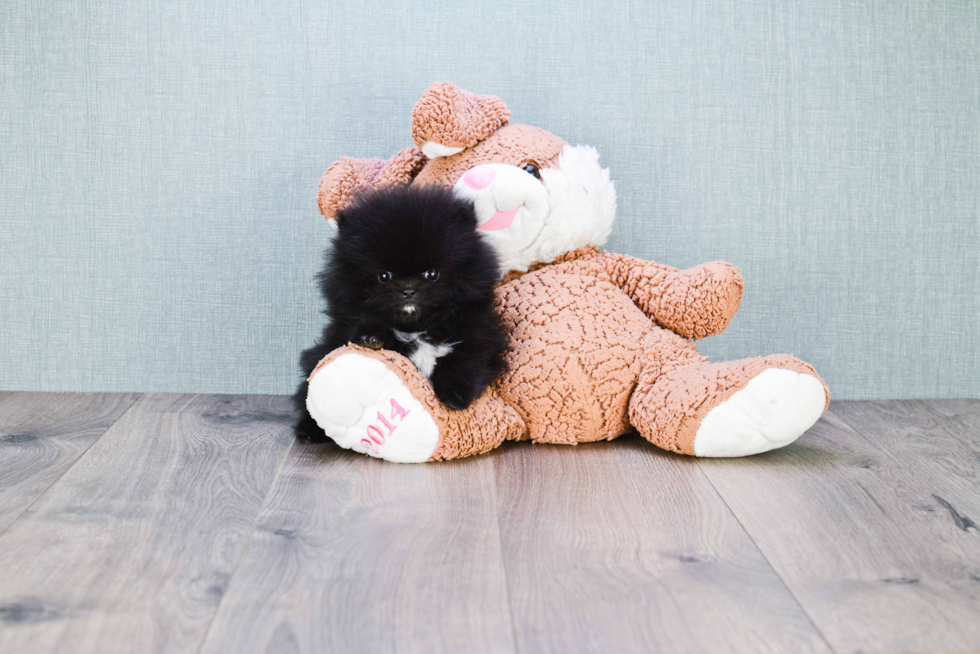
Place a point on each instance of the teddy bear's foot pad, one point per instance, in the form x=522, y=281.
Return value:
x=774, y=409
x=365, y=407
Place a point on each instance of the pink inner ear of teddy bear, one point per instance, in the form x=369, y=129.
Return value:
x=456, y=118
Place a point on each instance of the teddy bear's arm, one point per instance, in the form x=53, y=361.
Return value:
x=693, y=303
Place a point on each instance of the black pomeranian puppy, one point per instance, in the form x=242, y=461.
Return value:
x=409, y=272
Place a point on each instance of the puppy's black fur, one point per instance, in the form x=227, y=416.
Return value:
x=409, y=261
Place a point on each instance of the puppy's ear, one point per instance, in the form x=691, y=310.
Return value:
x=448, y=119
x=348, y=177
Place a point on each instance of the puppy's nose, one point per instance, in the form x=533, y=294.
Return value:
x=479, y=177
x=409, y=293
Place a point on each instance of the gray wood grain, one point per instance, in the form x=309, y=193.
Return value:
x=42, y=435
x=870, y=522
x=954, y=409
x=132, y=549
x=620, y=547
x=357, y=555
x=937, y=442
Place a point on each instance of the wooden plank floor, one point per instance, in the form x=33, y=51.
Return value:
x=193, y=523
x=43, y=434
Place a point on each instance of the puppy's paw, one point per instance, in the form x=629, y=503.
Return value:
x=308, y=431
x=453, y=393
x=370, y=341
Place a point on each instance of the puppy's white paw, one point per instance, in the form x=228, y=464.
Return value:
x=365, y=407
x=773, y=410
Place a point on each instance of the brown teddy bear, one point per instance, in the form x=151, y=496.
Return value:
x=600, y=343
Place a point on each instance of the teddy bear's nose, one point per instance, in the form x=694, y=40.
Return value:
x=479, y=177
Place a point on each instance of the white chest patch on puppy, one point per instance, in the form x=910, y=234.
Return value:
x=426, y=354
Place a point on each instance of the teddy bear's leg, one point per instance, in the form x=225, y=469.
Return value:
x=729, y=409
x=378, y=403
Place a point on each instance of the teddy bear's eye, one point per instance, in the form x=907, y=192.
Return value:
x=431, y=275
x=384, y=276
x=531, y=168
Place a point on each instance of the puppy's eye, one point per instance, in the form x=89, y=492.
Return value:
x=384, y=276
x=531, y=168
x=431, y=275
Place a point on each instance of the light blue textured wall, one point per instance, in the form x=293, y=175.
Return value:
x=159, y=161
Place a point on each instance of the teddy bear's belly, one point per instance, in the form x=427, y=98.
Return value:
x=574, y=355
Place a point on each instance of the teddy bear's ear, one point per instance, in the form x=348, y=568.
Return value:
x=348, y=177
x=448, y=119
x=401, y=168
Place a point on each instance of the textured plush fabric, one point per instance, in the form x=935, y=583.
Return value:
x=454, y=117
x=694, y=303
x=484, y=425
x=574, y=354
x=586, y=363
x=159, y=160
x=580, y=346
x=511, y=144
x=343, y=180
x=675, y=393
x=586, y=359
x=347, y=177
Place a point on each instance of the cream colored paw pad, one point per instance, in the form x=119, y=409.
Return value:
x=774, y=409
x=365, y=407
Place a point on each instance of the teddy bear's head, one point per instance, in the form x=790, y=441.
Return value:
x=536, y=196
